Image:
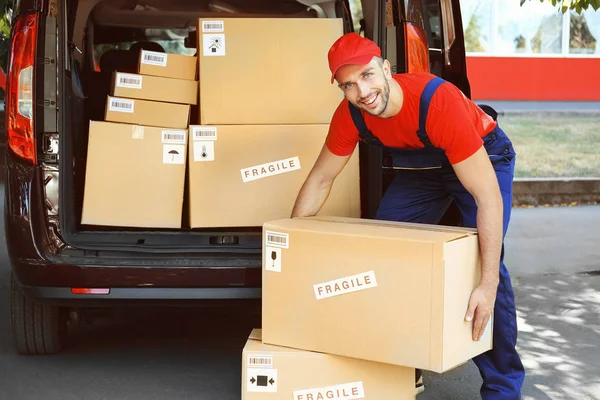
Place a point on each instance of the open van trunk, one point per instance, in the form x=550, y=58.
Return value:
x=95, y=26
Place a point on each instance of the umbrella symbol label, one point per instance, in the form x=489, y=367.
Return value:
x=213, y=44
x=204, y=151
x=173, y=153
x=273, y=259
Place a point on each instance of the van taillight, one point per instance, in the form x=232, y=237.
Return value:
x=417, y=50
x=20, y=96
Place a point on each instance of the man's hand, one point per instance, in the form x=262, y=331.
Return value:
x=481, y=305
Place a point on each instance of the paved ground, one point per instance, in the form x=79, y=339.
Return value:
x=563, y=106
x=157, y=353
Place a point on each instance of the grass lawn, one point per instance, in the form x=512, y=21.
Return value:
x=554, y=146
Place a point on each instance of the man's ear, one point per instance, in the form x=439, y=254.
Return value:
x=387, y=69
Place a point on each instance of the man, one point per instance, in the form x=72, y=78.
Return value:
x=444, y=148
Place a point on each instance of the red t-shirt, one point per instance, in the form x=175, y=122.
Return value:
x=454, y=122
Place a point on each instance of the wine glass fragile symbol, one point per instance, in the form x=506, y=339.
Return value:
x=273, y=257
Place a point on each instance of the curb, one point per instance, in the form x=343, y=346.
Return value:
x=557, y=191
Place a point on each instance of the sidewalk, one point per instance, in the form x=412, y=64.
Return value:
x=563, y=107
x=553, y=257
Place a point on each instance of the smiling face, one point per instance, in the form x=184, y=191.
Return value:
x=367, y=86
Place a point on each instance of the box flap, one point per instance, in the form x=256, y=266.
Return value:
x=256, y=334
x=375, y=228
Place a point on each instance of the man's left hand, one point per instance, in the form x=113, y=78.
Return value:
x=481, y=305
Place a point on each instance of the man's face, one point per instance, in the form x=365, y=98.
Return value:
x=366, y=86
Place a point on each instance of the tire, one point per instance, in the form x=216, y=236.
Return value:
x=37, y=328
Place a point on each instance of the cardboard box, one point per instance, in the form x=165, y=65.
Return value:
x=156, y=88
x=278, y=373
x=167, y=65
x=267, y=71
x=380, y=291
x=148, y=113
x=245, y=175
x=135, y=176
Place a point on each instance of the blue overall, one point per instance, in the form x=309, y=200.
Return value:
x=421, y=192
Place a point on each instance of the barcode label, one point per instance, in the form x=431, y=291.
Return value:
x=260, y=361
x=204, y=132
x=213, y=26
x=277, y=239
x=173, y=137
x=121, y=105
x=154, y=58
x=129, y=81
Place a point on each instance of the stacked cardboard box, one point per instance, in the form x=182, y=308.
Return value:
x=390, y=294
x=135, y=173
x=265, y=105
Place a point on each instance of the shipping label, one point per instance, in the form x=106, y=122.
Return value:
x=154, y=58
x=346, y=391
x=277, y=239
x=213, y=26
x=260, y=361
x=129, y=81
x=349, y=284
x=121, y=105
x=270, y=169
x=204, y=133
x=174, y=136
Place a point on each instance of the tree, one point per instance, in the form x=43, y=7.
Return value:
x=576, y=5
x=473, y=33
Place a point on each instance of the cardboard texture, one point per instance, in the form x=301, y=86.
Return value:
x=278, y=373
x=266, y=70
x=380, y=291
x=135, y=176
x=245, y=175
x=169, y=90
x=167, y=65
x=147, y=113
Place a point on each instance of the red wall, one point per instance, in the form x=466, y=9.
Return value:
x=525, y=78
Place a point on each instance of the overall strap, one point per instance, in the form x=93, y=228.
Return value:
x=363, y=132
x=426, y=96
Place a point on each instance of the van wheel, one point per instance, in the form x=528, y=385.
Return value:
x=37, y=328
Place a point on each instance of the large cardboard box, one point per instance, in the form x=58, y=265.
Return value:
x=148, y=113
x=167, y=65
x=381, y=291
x=135, y=176
x=245, y=175
x=156, y=88
x=267, y=70
x=278, y=373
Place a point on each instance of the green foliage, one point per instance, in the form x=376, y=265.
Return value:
x=575, y=5
x=472, y=35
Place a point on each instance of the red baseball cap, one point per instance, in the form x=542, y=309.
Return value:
x=351, y=49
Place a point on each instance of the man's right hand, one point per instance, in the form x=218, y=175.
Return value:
x=316, y=188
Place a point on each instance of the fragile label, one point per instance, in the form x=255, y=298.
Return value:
x=270, y=169
x=129, y=81
x=121, y=105
x=213, y=26
x=174, y=137
x=204, y=132
x=154, y=58
x=277, y=239
x=260, y=361
x=273, y=259
x=262, y=380
x=204, y=151
x=346, y=391
x=173, y=154
x=213, y=44
x=349, y=284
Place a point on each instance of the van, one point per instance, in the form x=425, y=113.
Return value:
x=62, y=57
